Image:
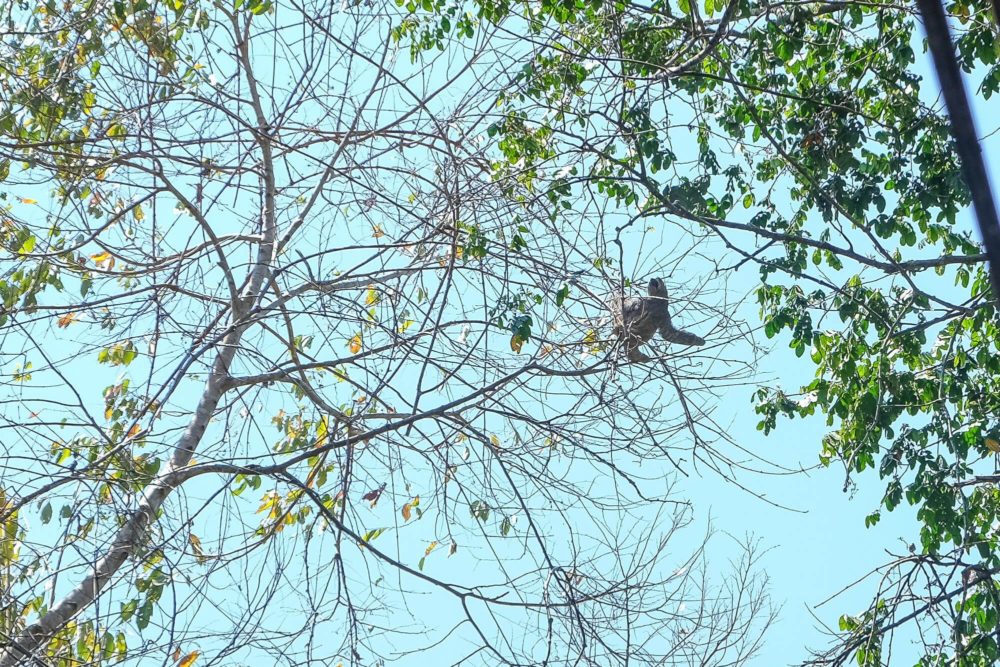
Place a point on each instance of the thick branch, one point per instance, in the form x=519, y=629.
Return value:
x=130, y=536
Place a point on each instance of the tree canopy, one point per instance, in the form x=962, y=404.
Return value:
x=306, y=335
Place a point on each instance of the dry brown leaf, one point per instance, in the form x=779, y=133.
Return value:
x=66, y=320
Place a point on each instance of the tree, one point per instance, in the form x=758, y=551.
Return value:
x=297, y=332
x=819, y=162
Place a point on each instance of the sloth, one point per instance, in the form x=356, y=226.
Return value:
x=638, y=319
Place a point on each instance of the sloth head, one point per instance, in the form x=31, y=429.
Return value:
x=657, y=288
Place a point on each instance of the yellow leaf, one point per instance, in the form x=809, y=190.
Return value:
x=431, y=547
x=377, y=231
x=993, y=445
x=268, y=502
x=66, y=320
x=355, y=345
x=26, y=200
x=516, y=343
x=138, y=214
x=134, y=431
x=189, y=659
x=195, y=543
x=406, y=325
x=372, y=296
x=322, y=430
x=104, y=260
x=495, y=440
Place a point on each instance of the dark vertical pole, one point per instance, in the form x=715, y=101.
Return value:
x=964, y=130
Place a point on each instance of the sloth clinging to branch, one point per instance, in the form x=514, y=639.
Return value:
x=637, y=319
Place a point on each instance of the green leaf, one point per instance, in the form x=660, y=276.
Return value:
x=561, y=295
x=372, y=534
x=145, y=614
x=784, y=50
x=128, y=609
x=27, y=246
